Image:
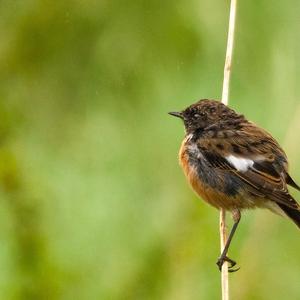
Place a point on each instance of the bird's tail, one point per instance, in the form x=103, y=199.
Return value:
x=292, y=213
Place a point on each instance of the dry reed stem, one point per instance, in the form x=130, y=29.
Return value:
x=225, y=93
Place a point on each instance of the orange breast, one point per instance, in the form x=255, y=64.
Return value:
x=212, y=196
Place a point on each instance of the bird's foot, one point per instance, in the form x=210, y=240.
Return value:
x=224, y=258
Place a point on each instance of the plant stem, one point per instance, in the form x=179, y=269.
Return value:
x=229, y=50
x=225, y=93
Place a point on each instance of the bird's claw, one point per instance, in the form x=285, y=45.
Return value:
x=221, y=261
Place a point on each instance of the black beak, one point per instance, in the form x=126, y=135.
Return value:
x=176, y=114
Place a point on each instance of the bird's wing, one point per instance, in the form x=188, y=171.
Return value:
x=259, y=162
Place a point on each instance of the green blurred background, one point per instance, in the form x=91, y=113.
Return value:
x=93, y=202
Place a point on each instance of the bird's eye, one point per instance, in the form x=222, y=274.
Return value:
x=198, y=115
x=212, y=110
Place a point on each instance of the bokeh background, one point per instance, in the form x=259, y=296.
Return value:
x=93, y=204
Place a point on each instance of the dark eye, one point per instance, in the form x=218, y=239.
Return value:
x=198, y=114
x=212, y=110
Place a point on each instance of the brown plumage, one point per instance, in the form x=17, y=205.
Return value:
x=233, y=164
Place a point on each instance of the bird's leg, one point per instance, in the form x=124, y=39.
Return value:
x=236, y=215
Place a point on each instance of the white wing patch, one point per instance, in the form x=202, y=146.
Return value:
x=241, y=164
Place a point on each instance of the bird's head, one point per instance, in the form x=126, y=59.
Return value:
x=203, y=114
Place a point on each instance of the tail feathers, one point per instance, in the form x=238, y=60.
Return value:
x=293, y=213
x=291, y=182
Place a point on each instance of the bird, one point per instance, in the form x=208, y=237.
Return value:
x=233, y=164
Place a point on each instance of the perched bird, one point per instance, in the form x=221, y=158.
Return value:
x=233, y=164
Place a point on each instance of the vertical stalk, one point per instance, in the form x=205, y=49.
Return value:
x=229, y=50
x=224, y=271
x=225, y=93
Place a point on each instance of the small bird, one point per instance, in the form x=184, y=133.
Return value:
x=233, y=164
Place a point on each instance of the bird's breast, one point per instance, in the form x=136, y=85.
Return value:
x=217, y=187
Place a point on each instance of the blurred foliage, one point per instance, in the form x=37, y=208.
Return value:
x=93, y=202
